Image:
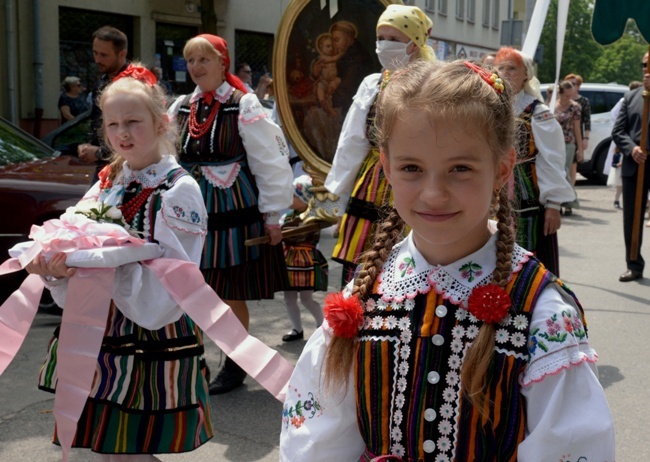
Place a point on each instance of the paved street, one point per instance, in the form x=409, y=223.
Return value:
x=247, y=421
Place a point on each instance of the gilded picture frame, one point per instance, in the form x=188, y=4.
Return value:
x=322, y=52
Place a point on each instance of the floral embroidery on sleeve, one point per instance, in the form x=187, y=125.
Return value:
x=303, y=409
x=554, y=332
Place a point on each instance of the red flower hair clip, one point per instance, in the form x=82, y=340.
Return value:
x=492, y=79
x=139, y=73
x=104, y=180
x=344, y=315
x=489, y=303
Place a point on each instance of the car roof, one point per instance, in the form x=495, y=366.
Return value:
x=596, y=86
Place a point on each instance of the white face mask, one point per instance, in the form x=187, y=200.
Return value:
x=392, y=55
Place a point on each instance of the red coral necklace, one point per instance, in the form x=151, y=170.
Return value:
x=196, y=129
x=135, y=204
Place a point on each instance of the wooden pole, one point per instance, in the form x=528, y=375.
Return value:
x=640, y=197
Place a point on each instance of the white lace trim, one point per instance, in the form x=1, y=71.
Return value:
x=397, y=284
x=221, y=176
x=151, y=176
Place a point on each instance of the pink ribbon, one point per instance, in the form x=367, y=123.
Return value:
x=84, y=322
x=185, y=283
x=17, y=313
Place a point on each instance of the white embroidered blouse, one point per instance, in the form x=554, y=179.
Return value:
x=549, y=163
x=137, y=292
x=567, y=412
x=353, y=146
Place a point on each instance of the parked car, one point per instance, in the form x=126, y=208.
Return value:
x=602, y=97
x=37, y=183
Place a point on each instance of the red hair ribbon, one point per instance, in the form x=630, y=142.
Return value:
x=221, y=46
x=139, y=73
x=491, y=78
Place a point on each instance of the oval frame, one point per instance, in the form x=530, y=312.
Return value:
x=283, y=47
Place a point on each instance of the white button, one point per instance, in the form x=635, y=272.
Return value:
x=437, y=340
x=430, y=415
x=433, y=377
x=441, y=311
x=429, y=446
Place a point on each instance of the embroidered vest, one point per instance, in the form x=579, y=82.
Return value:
x=408, y=368
x=144, y=220
x=526, y=189
x=222, y=143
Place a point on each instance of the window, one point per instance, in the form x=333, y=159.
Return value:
x=460, y=9
x=430, y=5
x=442, y=7
x=486, y=13
x=495, y=14
x=471, y=10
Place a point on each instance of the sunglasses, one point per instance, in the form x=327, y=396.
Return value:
x=644, y=65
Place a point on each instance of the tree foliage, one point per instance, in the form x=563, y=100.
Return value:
x=618, y=62
x=580, y=49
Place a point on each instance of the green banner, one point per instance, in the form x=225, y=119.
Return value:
x=610, y=17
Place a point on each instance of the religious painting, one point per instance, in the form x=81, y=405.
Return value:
x=323, y=50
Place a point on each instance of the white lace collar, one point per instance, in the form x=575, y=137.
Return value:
x=406, y=273
x=522, y=101
x=151, y=176
x=222, y=93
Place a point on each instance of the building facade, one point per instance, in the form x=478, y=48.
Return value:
x=47, y=40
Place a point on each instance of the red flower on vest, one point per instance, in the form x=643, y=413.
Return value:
x=344, y=315
x=489, y=303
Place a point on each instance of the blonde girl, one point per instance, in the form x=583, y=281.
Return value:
x=149, y=395
x=454, y=343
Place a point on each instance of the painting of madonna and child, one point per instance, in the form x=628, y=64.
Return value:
x=324, y=58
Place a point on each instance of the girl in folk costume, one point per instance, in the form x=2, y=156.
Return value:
x=356, y=175
x=149, y=395
x=454, y=344
x=241, y=160
x=539, y=178
x=306, y=265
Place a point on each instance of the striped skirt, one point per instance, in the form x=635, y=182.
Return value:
x=252, y=280
x=370, y=194
x=306, y=266
x=529, y=226
x=149, y=394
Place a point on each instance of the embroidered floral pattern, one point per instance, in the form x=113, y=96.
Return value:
x=470, y=271
x=303, y=409
x=555, y=333
x=407, y=266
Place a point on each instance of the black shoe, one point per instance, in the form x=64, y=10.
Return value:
x=630, y=275
x=293, y=335
x=617, y=205
x=229, y=377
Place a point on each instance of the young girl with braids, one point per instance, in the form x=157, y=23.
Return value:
x=149, y=395
x=454, y=344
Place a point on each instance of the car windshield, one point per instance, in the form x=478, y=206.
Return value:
x=17, y=146
x=602, y=101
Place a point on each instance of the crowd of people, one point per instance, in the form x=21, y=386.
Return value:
x=452, y=337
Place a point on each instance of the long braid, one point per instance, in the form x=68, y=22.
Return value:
x=340, y=354
x=479, y=356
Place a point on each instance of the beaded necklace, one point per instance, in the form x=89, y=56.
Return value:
x=131, y=208
x=196, y=129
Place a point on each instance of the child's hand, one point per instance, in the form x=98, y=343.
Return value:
x=274, y=233
x=55, y=268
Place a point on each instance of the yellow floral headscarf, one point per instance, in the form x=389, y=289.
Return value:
x=413, y=22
